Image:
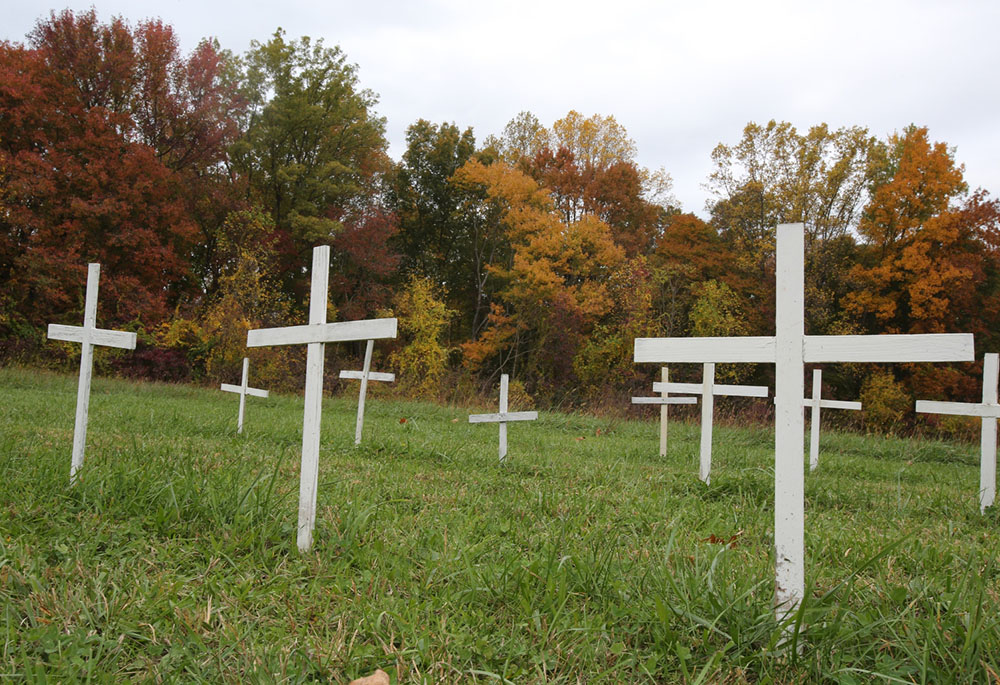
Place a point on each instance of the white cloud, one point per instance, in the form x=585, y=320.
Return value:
x=681, y=77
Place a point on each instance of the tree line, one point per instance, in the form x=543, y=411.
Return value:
x=202, y=181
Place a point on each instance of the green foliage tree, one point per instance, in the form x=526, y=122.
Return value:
x=312, y=146
x=437, y=237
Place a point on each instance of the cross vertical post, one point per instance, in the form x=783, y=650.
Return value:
x=988, y=438
x=364, y=389
x=315, y=354
x=504, y=380
x=243, y=393
x=789, y=475
x=86, y=370
x=814, y=419
x=707, y=410
x=664, y=408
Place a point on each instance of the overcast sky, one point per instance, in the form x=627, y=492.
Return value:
x=680, y=76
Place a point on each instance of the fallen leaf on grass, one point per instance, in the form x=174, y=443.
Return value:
x=454, y=420
x=579, y=438
x=730, y=542
x=402, y=420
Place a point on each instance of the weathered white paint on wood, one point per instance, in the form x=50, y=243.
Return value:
x=988, y=411
x=664, y=401
x=664, y=411
x=717, y=390
x=789, y=350
x=89, y=335
x=919, y=347
x=253, y=392
x=341, y=331
x=503, y=416
x=704, y=350
x=815, y=403
x=365, y=375
x=314, y=335
x=707, y=416
x=372, y=376
x=243, y=389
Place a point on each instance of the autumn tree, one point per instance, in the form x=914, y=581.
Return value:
x=776, y=175
x=312, y=146
x=929, y=262
x=554, y=288
x=102, y=126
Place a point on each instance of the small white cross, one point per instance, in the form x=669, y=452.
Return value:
x=364, y=376
x=988, y=410
x=708, y=389
x=243, y=390
x=789, y=350
x=315, y=334
x=816, y=403
x=664, y=400
x=89, y=335
x=503, y=417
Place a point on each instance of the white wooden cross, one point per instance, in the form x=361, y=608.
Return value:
x=89, y=335
x=664, y=400
x=243, y=390
x=789, y=350
x=315, y=334
x=988, y=410
x=708, y=389
x=816, y=403
x=365, y=375
x=504, y=416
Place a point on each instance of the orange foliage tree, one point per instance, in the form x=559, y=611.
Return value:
x=554, y=286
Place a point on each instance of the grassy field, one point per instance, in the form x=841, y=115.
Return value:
x=585, y=558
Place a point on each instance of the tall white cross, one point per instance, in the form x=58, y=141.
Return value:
x=664, y=400
x=708, y=389
x=243, y=390
x=789, y=350
x=816, y=403
x=365, y=375
x=504, y=416
x=988, y=410
x=89, y=335
x=315, y=334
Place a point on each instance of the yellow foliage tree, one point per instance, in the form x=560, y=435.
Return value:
x=248, y=297
x=423, y=318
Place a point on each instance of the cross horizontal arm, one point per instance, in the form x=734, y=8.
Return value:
x=372, y=376
x=705, y=350
x=341, y=331
x=226, y=387
x=504, y=417
x=97, y=336
x=664, y=400
x=728, y=390
x=958, y=408
x=925, y=347
x=835, y=404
